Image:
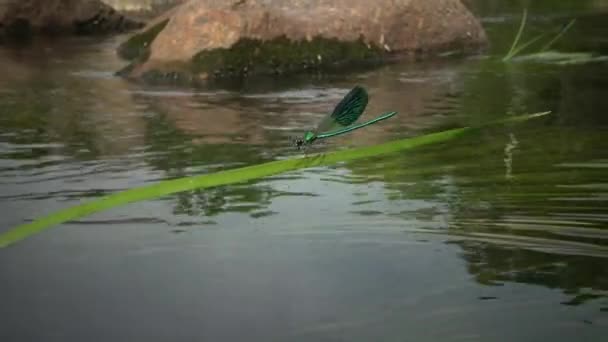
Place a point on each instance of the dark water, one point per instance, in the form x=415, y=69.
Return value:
x=501, y=235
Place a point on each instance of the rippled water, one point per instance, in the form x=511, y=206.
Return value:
x=501, y=235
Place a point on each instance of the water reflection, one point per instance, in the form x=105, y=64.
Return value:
x=526, y=203
x=580, y=277
x=48, y=99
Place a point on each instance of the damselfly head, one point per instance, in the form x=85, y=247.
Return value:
x=302, y=142
x=299, y=143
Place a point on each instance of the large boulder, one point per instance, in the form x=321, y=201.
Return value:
x=21, y=18
x=203, y=39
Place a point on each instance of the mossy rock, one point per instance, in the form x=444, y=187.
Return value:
x=253, y=58
x=281, y=55
x=138, y=45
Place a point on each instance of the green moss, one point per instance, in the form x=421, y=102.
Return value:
x=252, y=57
x=282, y=55
x=138, y=45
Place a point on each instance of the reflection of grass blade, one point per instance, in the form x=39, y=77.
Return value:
x=559, y=35
x=233, y=176
x=518, y=36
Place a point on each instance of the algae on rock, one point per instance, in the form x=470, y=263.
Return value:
x=282, y=55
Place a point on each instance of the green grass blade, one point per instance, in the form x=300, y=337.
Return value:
x=238, y=175
x=526, y=44
x=522, y=25
x=559, y=35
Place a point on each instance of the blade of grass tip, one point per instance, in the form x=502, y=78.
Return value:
x=524, y=18
x=559, y=35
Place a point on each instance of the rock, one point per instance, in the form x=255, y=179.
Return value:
x=210, y=39
x=21, y=18
x=143, y=10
